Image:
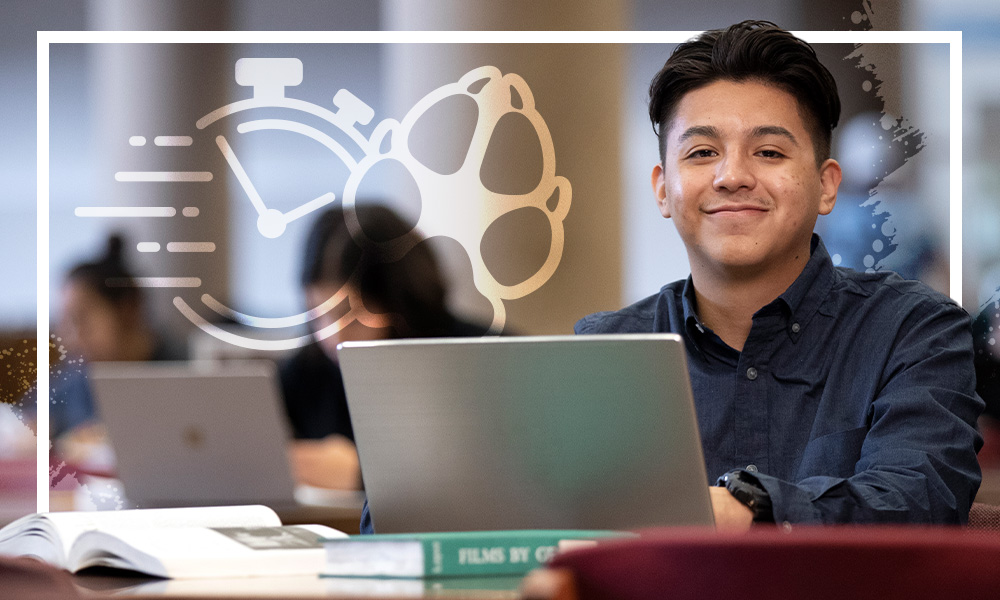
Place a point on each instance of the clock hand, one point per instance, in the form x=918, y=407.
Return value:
x=241, y=174
x=308, y=207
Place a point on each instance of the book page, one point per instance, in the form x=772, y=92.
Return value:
x=69, y=525
x=37, y=541
x=306, y=586
x=193, y=552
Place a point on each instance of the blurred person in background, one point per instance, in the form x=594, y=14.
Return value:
x=879, y=231
x=386, y=299
x=99, y=322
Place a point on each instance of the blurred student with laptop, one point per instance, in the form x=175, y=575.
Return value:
x=405, y=298
x=386, y=300
x=824, y=395
x=98, y=323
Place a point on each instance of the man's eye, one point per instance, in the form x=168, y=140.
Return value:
x=770, y=154
x=704, y=153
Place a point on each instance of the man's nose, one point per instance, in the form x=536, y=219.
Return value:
x=734, y=172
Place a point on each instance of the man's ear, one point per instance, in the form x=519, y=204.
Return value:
x=829, y=181
x=660, y=190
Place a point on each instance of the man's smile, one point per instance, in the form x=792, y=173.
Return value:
x=736, y=209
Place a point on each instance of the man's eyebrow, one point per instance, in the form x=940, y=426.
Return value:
x=764, y=130
x=698, y=130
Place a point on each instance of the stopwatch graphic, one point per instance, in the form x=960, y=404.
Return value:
x=455, y=205
x=268, y=77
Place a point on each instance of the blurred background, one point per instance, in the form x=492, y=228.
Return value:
x=892, y=140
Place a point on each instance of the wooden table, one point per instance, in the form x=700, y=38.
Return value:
x=97, y=584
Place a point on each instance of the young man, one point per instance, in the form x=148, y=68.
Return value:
x=824, y=395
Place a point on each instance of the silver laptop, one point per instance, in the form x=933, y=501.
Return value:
x=196, y=433
x=591, y=432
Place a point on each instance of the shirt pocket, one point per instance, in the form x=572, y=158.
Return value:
x=834, y=454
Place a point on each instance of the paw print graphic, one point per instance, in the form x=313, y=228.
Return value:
x=458, y=205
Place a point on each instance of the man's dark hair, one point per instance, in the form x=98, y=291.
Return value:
x=758, y=51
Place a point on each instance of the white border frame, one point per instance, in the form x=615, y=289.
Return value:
x=46, y=38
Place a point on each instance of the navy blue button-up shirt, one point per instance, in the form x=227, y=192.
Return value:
x=853, y=399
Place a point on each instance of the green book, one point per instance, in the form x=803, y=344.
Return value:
x=449, y=554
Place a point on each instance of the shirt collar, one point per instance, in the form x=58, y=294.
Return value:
x=809, y=289
x=811, y=286
x=688, y=303
x=697, y=332
x=801, y=299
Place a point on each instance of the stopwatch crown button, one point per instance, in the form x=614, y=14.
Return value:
x=269, y=76
x=351, y=109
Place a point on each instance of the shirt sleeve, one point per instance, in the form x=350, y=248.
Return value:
x=918, y=458
x=367, y=526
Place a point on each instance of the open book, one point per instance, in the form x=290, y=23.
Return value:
x=217, y=541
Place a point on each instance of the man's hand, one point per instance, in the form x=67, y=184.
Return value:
x=730, y=513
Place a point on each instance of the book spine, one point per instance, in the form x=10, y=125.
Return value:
x=454, y=557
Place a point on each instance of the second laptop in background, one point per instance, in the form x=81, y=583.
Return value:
x=206, y=433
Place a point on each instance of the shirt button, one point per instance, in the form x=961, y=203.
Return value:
x=751, y=373
x=752, y=468
x=796, y=328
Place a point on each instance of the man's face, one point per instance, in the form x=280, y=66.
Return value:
x=740, y=179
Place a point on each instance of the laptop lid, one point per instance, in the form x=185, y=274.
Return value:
x=592, y=432
x=196, y=433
